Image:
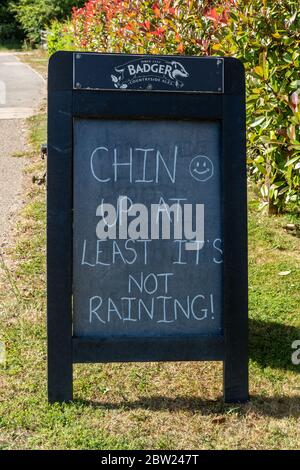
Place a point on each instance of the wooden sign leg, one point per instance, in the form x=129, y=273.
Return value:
x=59, y=247
x=235, y=241
x=60, y=373
x=235, y=379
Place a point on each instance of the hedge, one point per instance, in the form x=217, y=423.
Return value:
x=264, y=34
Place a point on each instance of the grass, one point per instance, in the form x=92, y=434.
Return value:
x=156, y=405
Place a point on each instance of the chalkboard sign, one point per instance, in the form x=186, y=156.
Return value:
x=147, y=249
x=146, y=286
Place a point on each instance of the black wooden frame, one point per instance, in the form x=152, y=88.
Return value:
x=65, y=104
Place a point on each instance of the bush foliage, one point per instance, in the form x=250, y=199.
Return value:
x=9, y=28
x=36, y=15
x=264, y=34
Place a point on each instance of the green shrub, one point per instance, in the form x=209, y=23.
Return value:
x=9, y=28
x=264, y=34
x=37, y=15
x=60, y=37
x=161, y=27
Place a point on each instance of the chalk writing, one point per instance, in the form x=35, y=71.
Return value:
x=148, y=241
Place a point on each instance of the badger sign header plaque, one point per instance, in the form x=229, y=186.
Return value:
x=147, y=236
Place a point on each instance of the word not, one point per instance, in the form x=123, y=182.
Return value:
x=157, y=308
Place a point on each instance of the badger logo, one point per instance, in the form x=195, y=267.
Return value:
x=178, y=71
x=145, y=73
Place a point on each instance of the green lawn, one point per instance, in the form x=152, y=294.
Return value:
x=149, y=406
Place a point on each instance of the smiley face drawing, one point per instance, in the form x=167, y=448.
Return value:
x=201, y=168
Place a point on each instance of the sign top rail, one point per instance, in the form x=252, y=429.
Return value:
x=122, y=72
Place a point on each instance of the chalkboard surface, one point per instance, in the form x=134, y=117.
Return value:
x=157, y=284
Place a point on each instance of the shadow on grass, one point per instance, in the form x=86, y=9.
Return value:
x=277, y=407
x=270, y=346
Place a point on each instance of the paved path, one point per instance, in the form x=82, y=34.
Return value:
x=21, y=90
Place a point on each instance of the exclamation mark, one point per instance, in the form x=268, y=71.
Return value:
x=212, y=306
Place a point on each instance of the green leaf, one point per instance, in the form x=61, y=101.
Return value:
x=261, y=168
x=293, y=160
x=258, y=121
x=259, y=71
